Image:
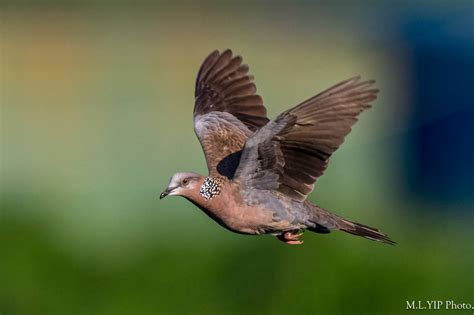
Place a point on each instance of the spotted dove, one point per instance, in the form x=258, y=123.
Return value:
x=261, y=171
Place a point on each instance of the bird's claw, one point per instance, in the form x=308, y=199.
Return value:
x=291, y=238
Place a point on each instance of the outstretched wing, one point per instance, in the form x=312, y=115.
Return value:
x=292, y=151
x=227, y=110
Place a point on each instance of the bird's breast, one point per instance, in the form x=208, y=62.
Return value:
x=230, y=211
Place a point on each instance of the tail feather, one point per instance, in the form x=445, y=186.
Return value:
x=325, y=221
x=366, y=232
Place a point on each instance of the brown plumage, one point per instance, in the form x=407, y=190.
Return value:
x=261, y=171
x=225, y=98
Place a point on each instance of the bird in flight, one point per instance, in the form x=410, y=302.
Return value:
x=261, y=171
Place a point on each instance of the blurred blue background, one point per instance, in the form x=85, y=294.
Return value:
x=96, y=115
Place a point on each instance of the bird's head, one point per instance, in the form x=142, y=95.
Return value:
x=183, y=184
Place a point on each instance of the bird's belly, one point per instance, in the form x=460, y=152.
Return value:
x=250, y=220
x=245, y=222
x=238, y=216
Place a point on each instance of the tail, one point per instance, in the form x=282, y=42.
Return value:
x=365, y=231
x=334, y=222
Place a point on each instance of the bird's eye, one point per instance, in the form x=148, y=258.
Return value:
x=185, y=181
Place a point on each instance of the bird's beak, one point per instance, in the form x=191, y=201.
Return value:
x=166, y=192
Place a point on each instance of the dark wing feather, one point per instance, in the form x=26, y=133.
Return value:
x=295, y=148
x=226, y=111
x=224, y=85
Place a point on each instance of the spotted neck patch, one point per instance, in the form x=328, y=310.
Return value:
x=211, y=187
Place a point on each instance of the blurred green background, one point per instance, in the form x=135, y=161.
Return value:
x=96, y=115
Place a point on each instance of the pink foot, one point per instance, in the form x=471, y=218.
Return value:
x=291, y=237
